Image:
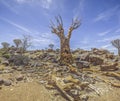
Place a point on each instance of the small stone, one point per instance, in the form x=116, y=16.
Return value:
x=84, y=97
x=83, y=85
x=75, y=92
x=20, y=78
x=6, y=63
x=15, y=67
x=7, y=82
x=19, y=69
x=42, y=82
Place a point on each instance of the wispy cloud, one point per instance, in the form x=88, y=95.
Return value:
x=108, y=39
x=107, y=14
x=106, y=46
x=118, y=30
x=44, y=39
x=46, y=4
x=85, y=40
x=10, y=7
x=16, y=25
x=79, y=9
x=110, y=48
x=104, y=33
x=38, y=39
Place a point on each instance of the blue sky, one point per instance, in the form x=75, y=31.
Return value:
x=100, y=21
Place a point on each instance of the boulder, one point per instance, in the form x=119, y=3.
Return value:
x=82, y=64
x=95, y=60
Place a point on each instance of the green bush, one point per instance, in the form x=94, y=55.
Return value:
x=7, y=56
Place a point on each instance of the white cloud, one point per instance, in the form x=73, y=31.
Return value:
x=104, y=33
x=107, y=14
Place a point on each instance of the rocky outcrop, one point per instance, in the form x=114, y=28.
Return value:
x=109, y=66
x=95, y=60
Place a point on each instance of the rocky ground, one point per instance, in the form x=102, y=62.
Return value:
x=94, y=76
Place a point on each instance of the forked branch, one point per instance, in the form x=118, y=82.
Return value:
x=75, y=24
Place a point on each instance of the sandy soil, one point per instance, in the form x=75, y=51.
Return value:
x=31, y=91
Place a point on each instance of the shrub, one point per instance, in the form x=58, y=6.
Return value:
x=19, y=60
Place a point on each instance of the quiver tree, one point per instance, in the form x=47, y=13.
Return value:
x=5, y=45
x=65, y=53
x=17, y=42
x=116, y=43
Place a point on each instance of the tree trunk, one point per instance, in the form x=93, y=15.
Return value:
x=65, y=54
x=119, y=51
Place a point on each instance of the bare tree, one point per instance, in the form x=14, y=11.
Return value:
x=5, y=45
x=26, y=42
x=65, y=53
x=116, y=43
x=51, y=46
x=17, y=42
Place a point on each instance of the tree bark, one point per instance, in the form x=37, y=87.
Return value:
x=65, y=53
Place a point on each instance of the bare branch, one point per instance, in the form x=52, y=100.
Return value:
x=58, y=28
x=75, y=24
x=116, y=43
